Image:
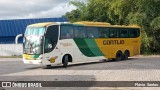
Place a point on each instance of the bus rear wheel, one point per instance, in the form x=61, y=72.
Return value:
x=118, y=56
x=65, y=61
x=126, y=55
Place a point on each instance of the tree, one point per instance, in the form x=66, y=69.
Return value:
x=145, y=13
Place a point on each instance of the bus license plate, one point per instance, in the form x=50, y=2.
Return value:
x=30, y=62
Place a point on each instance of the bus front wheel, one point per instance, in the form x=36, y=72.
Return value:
x=65, y=61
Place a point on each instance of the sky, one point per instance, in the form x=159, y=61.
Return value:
x=20, y=9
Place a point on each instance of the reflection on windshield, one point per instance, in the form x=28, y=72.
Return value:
x=35, y=31
x=33, y=44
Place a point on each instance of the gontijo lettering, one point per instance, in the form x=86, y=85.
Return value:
x=113, y=42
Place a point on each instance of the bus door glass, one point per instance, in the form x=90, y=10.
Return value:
x=51, y=38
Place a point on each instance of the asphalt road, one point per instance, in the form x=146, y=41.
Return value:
x=134, y=69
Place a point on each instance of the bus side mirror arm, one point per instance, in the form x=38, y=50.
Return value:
x=17, y=37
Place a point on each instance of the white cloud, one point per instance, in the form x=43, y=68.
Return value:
x=15, y=9
x=57, y=11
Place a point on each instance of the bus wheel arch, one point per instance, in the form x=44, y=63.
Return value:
x=126, y=54
x=66, y=58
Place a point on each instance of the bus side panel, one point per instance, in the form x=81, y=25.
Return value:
x=77, y=49
x=68, y=46
x=89, y=49
x=55, y=54
x=110, y=46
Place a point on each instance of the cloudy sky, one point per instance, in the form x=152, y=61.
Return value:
x=19, y=9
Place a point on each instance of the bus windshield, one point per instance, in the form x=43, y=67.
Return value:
x=33, y=40
x=35, y=31
x=33, y=44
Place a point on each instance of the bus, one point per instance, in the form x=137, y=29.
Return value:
x=53, y=43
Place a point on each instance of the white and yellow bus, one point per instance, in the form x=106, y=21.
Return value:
x=54, y=43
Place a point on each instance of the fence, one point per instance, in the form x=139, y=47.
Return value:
x=11, y=49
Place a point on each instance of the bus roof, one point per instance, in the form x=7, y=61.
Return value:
x=82, y=23
x=86, y=23
x=103, y=24
x=42, y=24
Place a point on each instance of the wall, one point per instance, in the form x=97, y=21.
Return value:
x=11, y=49
x=10, y=39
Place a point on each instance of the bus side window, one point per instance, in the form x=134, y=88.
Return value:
x=63, y=35
x=123, y=33
x=92, y=32
x=133, y=33
x=103, y=32
x=79, y=32
x=114, y=33
x=66, y=32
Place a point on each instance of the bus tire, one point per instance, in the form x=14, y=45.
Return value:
x=119, y=56
x=65, y=61
x=46, y=66
x=126, y=55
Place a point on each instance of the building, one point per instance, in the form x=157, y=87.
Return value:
x=9, y=29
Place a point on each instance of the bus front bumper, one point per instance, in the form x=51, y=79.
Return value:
x=25, y=61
